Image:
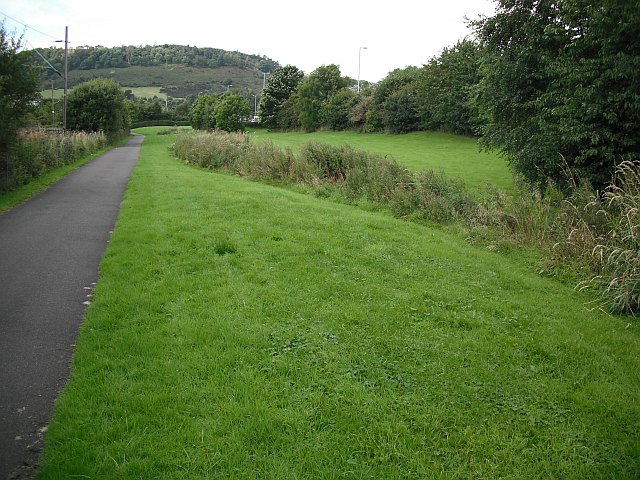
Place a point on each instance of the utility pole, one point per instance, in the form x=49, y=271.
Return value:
x=53, y=108
x=66, y=75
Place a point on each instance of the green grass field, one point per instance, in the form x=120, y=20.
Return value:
x=245, y=331
x=454, y=155
x=180, y=80
x=142, y=92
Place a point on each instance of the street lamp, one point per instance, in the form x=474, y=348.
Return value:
x=359, y=54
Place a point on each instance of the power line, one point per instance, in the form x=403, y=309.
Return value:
x=27, y=26
x=41, y=56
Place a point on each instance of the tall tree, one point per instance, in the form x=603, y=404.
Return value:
x=230, y=111
x=281, y=85
x=445, y=89
x=377, y=116
x=203, y=112
x=314, y=92
x=337, y=109
x=561, y=87
x=19, y=88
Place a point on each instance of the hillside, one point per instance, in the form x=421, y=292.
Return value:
x=178, y=70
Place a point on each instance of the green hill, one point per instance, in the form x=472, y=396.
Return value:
x=177, y=70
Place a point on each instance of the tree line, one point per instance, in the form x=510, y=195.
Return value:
x=87, y=58
x=553, y=86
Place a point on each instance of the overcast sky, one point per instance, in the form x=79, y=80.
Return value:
x=305, y=34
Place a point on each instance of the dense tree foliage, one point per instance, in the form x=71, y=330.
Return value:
x=281, y=85
x=560, y=86
x=314, y=92
x=87, y=58
x=222, y=112
x=336, y=111
x=231, y=112
x=203, y=112
x=445, y=89
x=98, y=105
x=377, y=115
x=19, y=86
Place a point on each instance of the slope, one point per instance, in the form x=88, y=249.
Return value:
x=244, y=331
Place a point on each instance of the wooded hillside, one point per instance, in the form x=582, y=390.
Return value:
x=180, y=69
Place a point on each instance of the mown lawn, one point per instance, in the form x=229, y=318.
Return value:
x=244, y=331
x=455, y=155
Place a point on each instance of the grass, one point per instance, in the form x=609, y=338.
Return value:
x=453, y=155
x=179, y=80
x=141, y=92
x=244, y=331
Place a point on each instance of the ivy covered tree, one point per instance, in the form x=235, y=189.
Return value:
x=281, y=85
x=98, y=105
x=560, y=86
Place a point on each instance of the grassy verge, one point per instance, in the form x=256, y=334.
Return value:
x=244, y=331
x=37, y=185
x=454, y=155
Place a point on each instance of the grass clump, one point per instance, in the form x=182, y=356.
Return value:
x=615, y=237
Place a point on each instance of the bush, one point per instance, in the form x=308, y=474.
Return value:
x=37, y=151
x=618, y=245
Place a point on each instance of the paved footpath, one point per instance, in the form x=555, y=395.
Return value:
x=50, y=249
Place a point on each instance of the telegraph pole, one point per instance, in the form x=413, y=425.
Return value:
x=66, y=74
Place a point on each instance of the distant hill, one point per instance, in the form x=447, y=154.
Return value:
x=178, y=70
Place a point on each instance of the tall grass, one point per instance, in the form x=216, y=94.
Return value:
x=38, y=151
x=596, y=236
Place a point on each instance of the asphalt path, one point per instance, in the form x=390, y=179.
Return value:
x=50, y=250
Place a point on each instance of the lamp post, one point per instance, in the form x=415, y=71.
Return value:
x=255, y=106
x=359, y=54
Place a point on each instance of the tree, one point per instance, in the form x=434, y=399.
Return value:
x=230, y=111
x=560, y=86
x=314, y=92
x=19, y=89
x=401, y=111
x=282, y=83
x=336, y=110
x=445, y=88
x=203, y=112
x=396, y=80
x=98, y=105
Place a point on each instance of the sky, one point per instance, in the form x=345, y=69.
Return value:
x=305, y=34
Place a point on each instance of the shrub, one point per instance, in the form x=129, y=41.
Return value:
x=618, y=247
x=37, y=151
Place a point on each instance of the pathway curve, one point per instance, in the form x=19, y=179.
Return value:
x=50, y=249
